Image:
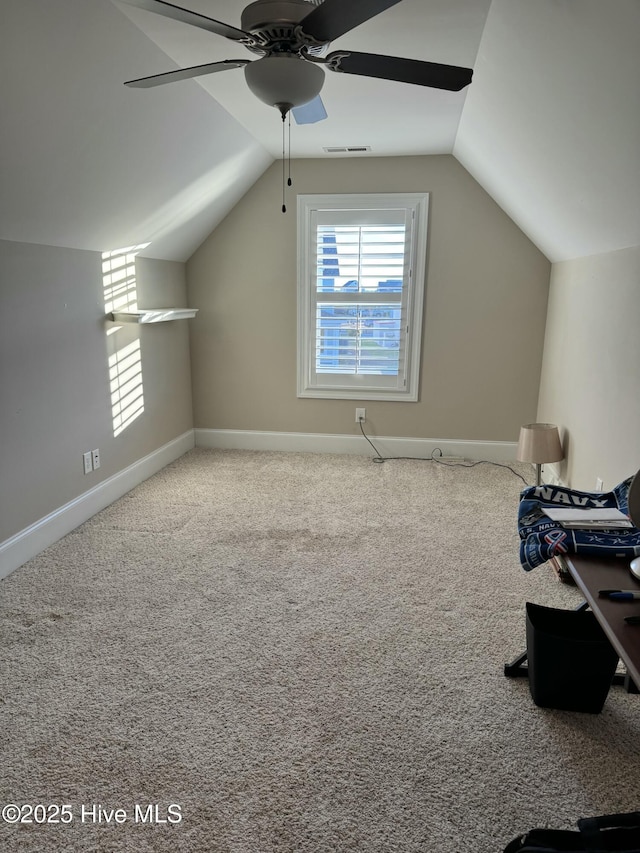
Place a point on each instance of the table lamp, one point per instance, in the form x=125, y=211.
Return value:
x=539, y=443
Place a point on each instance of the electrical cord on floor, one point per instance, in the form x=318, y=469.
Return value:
x=379, y=459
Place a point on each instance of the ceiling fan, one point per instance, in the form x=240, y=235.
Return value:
x=291, y=38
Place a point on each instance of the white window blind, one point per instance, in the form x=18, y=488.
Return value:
x=361, y=277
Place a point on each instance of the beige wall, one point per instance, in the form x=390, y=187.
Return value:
x=590, y=383
x=54, y=381
x=486, y=297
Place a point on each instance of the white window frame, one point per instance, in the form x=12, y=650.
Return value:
x=405, y=386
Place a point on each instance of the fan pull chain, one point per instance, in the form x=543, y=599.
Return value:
x=284, y=110
x=284, y=206
x=289, y=182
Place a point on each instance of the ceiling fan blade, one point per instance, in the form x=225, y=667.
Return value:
x=160, y=7
x=185, y=73
x=333, y=18
x=433, y=74
x=310, y=113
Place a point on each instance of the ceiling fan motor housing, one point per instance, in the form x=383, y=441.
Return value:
x=273, y=22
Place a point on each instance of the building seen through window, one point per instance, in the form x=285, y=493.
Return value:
x=353, y=337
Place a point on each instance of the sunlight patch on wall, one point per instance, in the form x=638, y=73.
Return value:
x=125, y=357
x=125, y=378
x=119, y=279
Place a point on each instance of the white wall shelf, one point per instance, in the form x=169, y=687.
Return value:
x=153, y=315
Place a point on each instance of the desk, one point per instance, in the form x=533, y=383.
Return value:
x=594, y=573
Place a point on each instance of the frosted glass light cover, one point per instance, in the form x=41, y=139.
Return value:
x=284, y=80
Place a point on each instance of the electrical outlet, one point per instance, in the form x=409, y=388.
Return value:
x=361, y=415
x=96, y=458
x=87, y=462
x=599, y=485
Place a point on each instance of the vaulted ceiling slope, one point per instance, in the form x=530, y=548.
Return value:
x=84, y=164
x=550, y=125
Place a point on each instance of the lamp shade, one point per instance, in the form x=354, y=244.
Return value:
x=539, y=443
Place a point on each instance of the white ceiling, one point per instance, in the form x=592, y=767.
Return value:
x=550, y=125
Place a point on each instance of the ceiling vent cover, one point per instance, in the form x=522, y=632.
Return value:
x=346, y=149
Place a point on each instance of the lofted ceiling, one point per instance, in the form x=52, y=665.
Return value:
x=550, y=124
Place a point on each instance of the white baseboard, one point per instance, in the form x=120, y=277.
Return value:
x=422, y=448
x=38, y=536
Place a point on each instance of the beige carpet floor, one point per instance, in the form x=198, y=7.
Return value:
x=293, y=652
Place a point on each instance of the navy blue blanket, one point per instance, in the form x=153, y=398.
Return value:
x=541, y=537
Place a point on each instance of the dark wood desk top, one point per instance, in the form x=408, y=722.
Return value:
x=595, y=573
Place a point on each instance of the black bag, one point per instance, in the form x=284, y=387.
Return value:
x=616, y=832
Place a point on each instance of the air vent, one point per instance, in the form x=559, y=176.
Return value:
x=347, y=149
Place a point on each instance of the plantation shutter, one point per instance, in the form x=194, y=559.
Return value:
x=361, y=283
x=359, y=298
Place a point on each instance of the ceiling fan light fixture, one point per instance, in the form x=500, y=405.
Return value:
x=284, y=80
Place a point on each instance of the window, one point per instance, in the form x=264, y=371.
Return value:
x=361, y=271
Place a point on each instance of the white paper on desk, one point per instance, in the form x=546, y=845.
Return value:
x=588, y=517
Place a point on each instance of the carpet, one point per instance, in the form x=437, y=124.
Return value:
x=257, y=652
